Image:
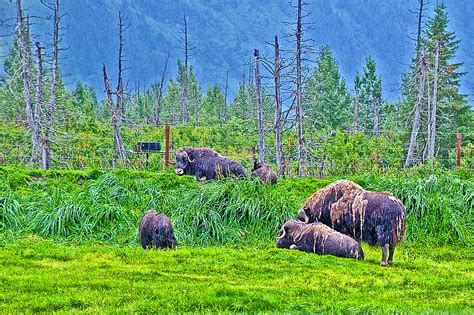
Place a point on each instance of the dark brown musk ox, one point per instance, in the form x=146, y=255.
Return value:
x=264, y=172
x=205, y=163
x=374, y=217
x=156, y=231
x=318, y=238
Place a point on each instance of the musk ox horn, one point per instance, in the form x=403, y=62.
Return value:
x=284, y=233
x=303, y=216
x=187, y=156
x=293, y=246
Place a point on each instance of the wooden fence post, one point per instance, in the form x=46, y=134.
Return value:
x=167, y=146
x=458, y=156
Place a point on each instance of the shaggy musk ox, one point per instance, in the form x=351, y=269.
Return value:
x=264, y=172
x=205, y=163
x=318, y=238
x=156, y=231
x=374, y=217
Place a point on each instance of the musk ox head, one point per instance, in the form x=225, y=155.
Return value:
x=184, y=158
x=287, y=234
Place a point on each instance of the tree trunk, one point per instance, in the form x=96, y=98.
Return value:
x=417, y=114
x=184, y=80
x=420, y=23
x=26, y=76
x=261, y=131
x=49, y=115
x=432, y=118
x=159, y=95
x=278, y=111
x=39, y=92
x=299, y=96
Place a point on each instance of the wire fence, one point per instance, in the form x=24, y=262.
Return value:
x=327, y=155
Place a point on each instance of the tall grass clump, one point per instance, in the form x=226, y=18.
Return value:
x=98, y=206
x=230, y=211
x=10, y=212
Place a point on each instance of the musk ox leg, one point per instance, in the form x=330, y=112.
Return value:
x=391, y=250
x=384, y=255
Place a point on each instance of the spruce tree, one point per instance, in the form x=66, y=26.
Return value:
x=329, y=99
x=370, y=97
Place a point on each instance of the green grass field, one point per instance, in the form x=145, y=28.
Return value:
x=41, y=276
x=68, y=243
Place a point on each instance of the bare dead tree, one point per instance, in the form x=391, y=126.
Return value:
x=419, y=81
x=187, y=48
x=357, y=103
x=25, y=58
x=421, y=9
x=278, y=109
x=299, y=91
x=261, y=130
x=420, y=73
x=120, y=91
x=224, y=109
x=159, y=94
x=116, y=109
x=52, y=104
x=39, y=89
x=433, y=113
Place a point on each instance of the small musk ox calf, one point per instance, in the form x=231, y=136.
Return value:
x=318, y=238
x=156, y=231
x=374, y=217
x=205, y=163
x=264, y=172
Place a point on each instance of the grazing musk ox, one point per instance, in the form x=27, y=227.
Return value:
x=206, y=163
x=374, y=217
x=156, y=231
x=264, y=172
x=318, y=238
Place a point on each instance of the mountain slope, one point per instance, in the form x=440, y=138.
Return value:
x=225, y=34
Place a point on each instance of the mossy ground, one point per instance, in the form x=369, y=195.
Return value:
x=42, y=276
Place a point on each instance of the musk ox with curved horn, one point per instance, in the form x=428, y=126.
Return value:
x=318, y=238
x=156, y=231
x=205, y=163
x=374, y=217
x=264, y=172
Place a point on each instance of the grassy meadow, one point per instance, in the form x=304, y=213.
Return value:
x=41, y=276
x=68, y=243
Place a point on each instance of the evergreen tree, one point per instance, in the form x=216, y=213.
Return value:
x=171, y=104
x=329, y=99
x=240, y=107
x=212, y=106
x=441, y=47
x=370, y=96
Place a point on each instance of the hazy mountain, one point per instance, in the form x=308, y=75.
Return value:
x=226, y=32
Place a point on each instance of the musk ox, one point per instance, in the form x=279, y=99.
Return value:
x=156, y=231
x=318, y=238
x=264, y=172
x=374, y=217
x=205, y=163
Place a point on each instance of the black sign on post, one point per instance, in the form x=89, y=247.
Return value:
x=144, y=147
